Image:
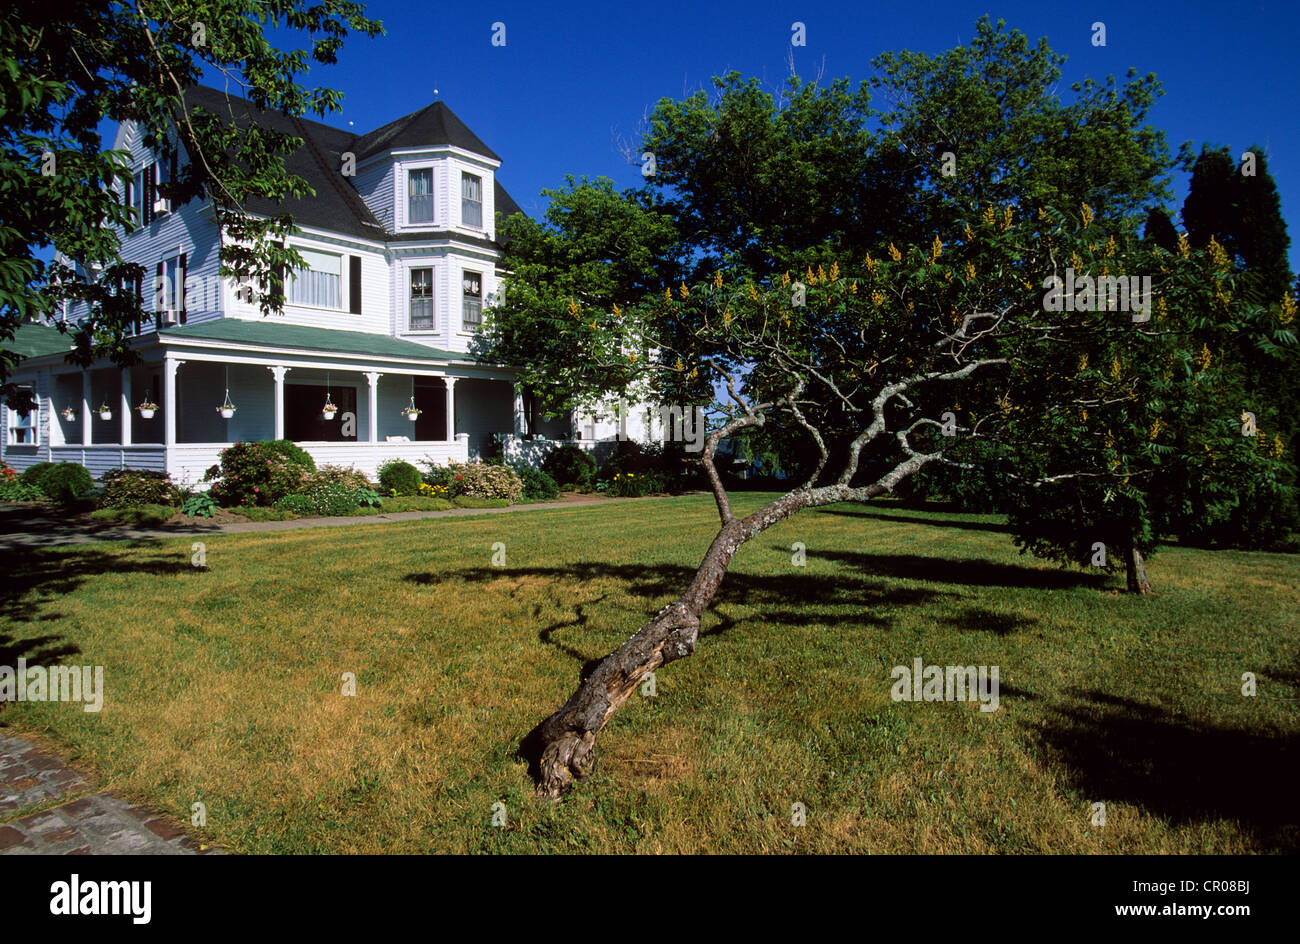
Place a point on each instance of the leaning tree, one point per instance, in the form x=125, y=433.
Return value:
x=882, y=365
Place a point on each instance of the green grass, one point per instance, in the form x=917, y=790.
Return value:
x=147, y=516
x=396, y=503
x=223, y=686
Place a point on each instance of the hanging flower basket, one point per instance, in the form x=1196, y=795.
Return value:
x=412, y=412
x=227, y=409
x=69, y=414
x=328, y=410
x=147, y=409
x=105, y=412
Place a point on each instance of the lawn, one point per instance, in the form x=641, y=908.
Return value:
x=224, y=686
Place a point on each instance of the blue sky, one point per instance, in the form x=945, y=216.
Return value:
x=572, y=76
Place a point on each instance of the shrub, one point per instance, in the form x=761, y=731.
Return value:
x=199, y=505
x=415, y=503
x=352, y=478
x=570, y=467
x=470, y=501
x=480, y=480
x=13, y=488
x=293, y=452
x=126, y=487
x=65, y=482
x=254, y=513
x=254, y=473
x=327, y=498
x=34, y=474
x=538, y=486
x=634, y=484
x=400, y=477
x=150, y=515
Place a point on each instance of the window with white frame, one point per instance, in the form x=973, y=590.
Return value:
x=419, y=195
x=169, y=290
x=472, y=293
x=24, y=426
x=421, y=310
x=471, y=201
x=320, y=284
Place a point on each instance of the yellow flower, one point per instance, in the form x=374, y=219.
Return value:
x=871, y=264
x=970, y=235
x=1116, y=371
x=679, y=366
x=1088, y=216
x=1110, y=247
x=1008, y=216
x=809, y=277
x=753, y=293
x=835, y=271
x=1156, y=427
x=853, y=288
x=1075, y=261
x=970, y=271
x=1083, y=363
x=695, y=372
x=1083, y=414
x=821, y=273
x=936, y=249
x=618, y=312
x=717, y=279
x=1043, y=215
x=877, y=298
x=785, y=278
x=1110, y=440
x=1287, y=312
x=989, y=215
x=683, y=291
x=1203, y=362
x=726, y=316
x=1161, y=309
x=894, y=253
x=1278, y=446
x=573, y=308
x=1217, y=254
x=1183, y=246
x=668, y=296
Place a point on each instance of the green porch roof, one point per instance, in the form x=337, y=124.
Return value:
x=269, y=333
x=37, y=340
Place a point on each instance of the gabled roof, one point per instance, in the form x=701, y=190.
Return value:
x=337, y=207
x=268, y=333
x=434, y=124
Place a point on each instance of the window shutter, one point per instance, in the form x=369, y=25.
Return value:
x=139, y=298
x=180, y=288
x=146, y=211
x=157, y=291
x=354, y=284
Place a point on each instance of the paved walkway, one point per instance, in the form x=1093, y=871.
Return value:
x=70, y=821
x=40, y=526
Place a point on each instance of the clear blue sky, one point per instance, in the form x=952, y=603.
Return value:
x=570, y=76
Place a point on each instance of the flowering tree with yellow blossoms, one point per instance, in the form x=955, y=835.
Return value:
x=945, y=352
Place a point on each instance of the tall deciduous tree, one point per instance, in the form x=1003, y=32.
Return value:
x=68, y=69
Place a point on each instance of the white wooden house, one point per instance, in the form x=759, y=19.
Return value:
x=402, y=261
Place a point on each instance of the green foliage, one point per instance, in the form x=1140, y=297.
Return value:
x=254, y=473
x=368, y=498
x=295, y=454
x=13, y=488
x=199, y=505
x=126, y=487
x=538, y=486
x=62, y=482
x=322, y=498
x=570, y=467
x=352, y=478
x=257, y=513
x=67, y=73
x=136, y=516
x=475, y=501
x=401, y=477
x=480, y=480
x=634, y=484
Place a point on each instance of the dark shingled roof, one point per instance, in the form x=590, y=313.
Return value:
x=432, y=124
x=337, y=206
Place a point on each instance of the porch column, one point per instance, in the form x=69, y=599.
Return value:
x=170, y=368
x=52, y=411
x=125, y=406
x=451, y=408
x=85, y=408
x=372, y=406
x=278, y=373
x=521, y=421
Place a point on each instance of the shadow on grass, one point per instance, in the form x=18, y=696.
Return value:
x=1114, y=749
x=868, y=512
x=966, y=571
x=36, y=578
x=795, y=601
